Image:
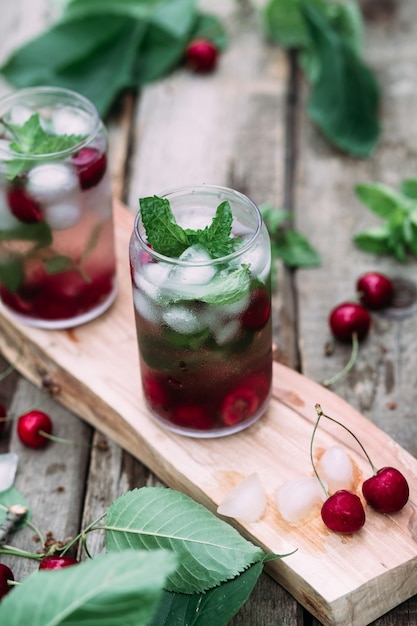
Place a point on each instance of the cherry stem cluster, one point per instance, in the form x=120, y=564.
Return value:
x=332, y=419
x=352, y=360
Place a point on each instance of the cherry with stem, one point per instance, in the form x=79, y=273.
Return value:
x=387, y=490
x=342, y=512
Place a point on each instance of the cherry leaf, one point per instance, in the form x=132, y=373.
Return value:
x=110, y=590
x=209, y=550
x=215, y=607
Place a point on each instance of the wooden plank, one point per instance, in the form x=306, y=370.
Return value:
x=95, y=367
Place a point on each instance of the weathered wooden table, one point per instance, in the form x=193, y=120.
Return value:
x=245, y=127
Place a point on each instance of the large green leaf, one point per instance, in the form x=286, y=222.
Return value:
x=210, y=551
x=284, y=24
x=110, y=590
x=344, y=99
x=216, y=607
x=65, y=43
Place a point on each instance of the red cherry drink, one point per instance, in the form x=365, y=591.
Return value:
x=57, y=259
x=203, y=319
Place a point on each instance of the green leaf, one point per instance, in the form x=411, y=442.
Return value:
x=108, y=590
x=11, y=272
x=9, y=497
x=216, y=607
x=31, y=139
x=344, y=99
x=59, y=263
x=209, y=550
x=295, y=250
x=162, y=231
x=409, y=188
x=93, y=55
x=284, y=25
x=159, y=52
x=375, y=240
x=382, y=200
x=210, y=27
x=39, y=232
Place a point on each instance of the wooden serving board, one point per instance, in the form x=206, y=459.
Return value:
x=343, y=580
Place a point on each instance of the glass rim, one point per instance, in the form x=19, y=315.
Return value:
x=186, y=189
x=89, y=107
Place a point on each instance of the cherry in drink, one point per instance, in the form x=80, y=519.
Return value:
x=57, y=258
x=200, y=266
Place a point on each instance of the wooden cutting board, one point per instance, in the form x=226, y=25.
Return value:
x=343, y=580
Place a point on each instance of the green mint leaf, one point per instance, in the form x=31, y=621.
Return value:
x=345, y=96
x=215, y=607
x=59, y=263
x=409, y=188
x=168, y=238
x=295, y=250
x=163, y=233
x=120, y=588
x=287, y=244
x=39, y=232
x=31, y=139
x=382, y=200
x=216, y=238
x=227, y=288
x=210, y=551
x=11, y=272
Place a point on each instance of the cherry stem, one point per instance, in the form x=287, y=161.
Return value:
x=353, y=356
x=332, y=419
x=10, y=368
x=326, y=493
x=67, y=441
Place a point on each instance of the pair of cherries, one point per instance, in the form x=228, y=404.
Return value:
x=375, y=292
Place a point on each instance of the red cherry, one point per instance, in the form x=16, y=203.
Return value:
x=201, y=55
x=91, y=165
x=154, y=390
x=375, y=290
x=240, y=404
x=348, y=318
x=3, y=419
x=55, y=561
x=29, y=426
x=343, y=512
x=23, y=206
x=387, y=491
x=6, y=574
x=257, y=314
x=192, y=416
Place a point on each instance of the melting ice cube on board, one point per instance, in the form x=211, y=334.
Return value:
x=8, y=467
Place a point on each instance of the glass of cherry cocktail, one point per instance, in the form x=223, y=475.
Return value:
x=57, y=259
x=200, y=265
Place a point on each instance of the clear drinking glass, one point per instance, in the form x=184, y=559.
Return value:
x=203, y=323
x=57, y=257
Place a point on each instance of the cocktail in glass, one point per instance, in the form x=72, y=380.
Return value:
x=57, y=257
x=203, y=310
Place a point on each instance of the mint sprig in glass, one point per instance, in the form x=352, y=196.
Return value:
x=200, y=265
